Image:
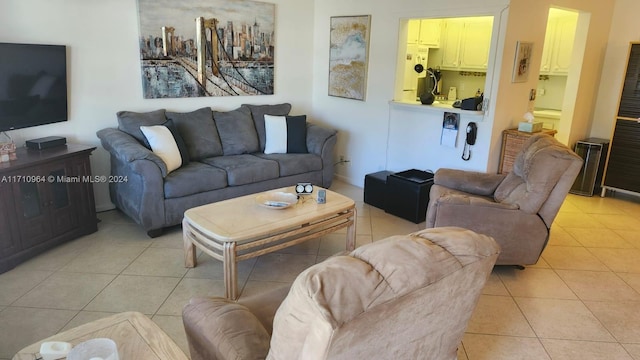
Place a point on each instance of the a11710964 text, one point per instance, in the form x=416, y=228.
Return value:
x=62, y=179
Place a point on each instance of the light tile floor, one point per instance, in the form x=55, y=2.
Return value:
x=581, y=301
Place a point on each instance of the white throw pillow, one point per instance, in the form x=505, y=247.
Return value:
x=275, y=128
x=164, y=145
x=285, y=134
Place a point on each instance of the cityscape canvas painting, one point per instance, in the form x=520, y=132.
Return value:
x=349, y=46
x=196, y=48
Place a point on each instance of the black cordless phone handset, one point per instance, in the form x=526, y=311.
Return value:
x=472, y=133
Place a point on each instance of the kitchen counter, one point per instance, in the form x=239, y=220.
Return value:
x=547, y=113
x=437, y=106
x=549, y=117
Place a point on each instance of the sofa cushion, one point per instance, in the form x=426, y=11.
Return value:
x=245, y=168
x=293, y=164
x=199, y=132
x=193, y=179
x=237, y=131
x=258, y=112
x=285, y=134
x=130, y=122
x=166, y=142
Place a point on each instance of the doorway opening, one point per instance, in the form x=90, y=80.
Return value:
x=562, y=56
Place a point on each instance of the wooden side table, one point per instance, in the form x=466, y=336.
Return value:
x=46, y=198
x=512, y=142
x=137, y=337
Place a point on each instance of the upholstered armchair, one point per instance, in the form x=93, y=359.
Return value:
x=404, y=297
x=516, y=209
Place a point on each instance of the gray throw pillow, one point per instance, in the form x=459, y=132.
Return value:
x=258, y=112
x=199, y=132
x=237, y=131
x=130, y=122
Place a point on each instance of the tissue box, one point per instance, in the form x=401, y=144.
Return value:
x=530, y=127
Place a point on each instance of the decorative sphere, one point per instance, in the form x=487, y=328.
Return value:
x=427, y=98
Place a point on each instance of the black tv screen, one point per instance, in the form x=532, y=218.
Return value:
x=33, y=85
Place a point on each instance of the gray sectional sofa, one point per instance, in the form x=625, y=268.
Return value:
x=225, y=159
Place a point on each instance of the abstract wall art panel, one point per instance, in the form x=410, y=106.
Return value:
x=348, y=56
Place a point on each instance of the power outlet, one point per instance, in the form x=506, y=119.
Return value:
x=342, y=161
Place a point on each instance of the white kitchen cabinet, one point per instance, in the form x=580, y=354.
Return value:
x=450, y=43
x=430, y=31
x=413, y=31
x=424, y=32
x=558, y=43
x=545, y=64
x=475, y=44
x=465, y=43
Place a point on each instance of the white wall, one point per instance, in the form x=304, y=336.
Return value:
x=527, y=22
x=624, y=29
x=364, y=125
x=104, y=66
x=554, y=89
x=104, y=69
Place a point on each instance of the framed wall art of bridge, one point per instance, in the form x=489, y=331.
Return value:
x=196, y=48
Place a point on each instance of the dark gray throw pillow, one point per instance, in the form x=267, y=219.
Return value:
x=199, y=132
x=237, y=131
x=258, y=112
x=130, y=122
x=182, y=147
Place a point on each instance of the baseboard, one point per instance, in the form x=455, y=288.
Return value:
x=105, y=207
x=342, y=178
x=349, y=180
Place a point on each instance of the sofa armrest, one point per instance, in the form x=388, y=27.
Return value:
x=317, y=137
x=521, y=236
x=220, y=329
x=473, y=201
x=468, y=181
x=127, y=149
x=141, y=196
x=321, y=141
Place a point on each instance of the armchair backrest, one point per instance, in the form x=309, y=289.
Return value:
x=543, y=173
x=405, y=297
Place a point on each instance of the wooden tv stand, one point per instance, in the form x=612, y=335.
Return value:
x=46, y=198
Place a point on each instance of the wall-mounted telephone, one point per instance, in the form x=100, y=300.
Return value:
x=472, y=133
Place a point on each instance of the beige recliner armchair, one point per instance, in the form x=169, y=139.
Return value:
x=516, y=209
x=404, y=297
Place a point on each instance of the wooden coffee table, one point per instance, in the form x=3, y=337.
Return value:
x=137, y=337
x=238, y=229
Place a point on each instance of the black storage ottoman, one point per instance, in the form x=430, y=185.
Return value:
x=375, y=189
x=408, y=194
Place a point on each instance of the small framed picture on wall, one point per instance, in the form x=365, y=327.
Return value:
x=522, y=62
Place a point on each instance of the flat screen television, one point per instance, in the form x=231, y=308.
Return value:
x=33, y=85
